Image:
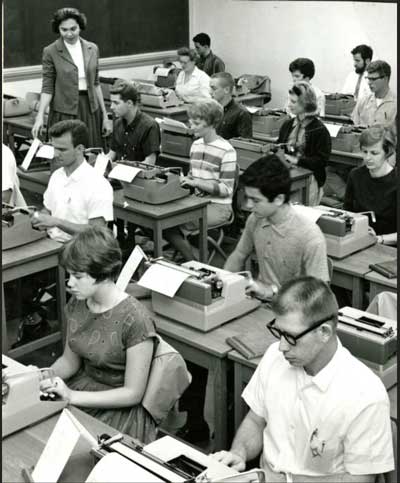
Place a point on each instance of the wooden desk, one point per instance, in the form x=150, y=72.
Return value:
x=179, y=113
x=35, y=181
x=350, y=272
x=253, y=99
x=337, y=119
x=301, y=177
x=244, y=369
x=353, y=160
x=167, y=215
x=378, y=283
x=27, y=260
x=23, y=449
x=210, y=350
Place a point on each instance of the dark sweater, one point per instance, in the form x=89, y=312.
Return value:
x=236, y=122
x=364, y=193
x=317, y=147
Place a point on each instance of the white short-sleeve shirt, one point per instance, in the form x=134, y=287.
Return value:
x=335, y=422
x=197, y=87
x=78, y=198
x=9, y=178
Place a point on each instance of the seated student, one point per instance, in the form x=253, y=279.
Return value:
x=373, y=186
x=212, y=172
x=192, y=84
x=77, y=195
x=10, y=192
x=316, y=412
x=303, y=70
x=208, y=61
x=109, y=348
x=357, y=80
x=308, y=136
x=135, y=137
x=237, y=120
x=380, y=106
x=287, y=245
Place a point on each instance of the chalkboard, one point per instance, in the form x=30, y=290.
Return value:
x=118, y=27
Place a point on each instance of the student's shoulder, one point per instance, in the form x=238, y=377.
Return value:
x=305, y=228
x=223, y=144
x=147, y=120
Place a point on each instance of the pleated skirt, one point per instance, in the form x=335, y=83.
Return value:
x=93, y=120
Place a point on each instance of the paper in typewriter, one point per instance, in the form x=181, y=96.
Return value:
x=122, y=172
x=163, y=279
x=333, y=128
x=312, y=214
x=115, y=468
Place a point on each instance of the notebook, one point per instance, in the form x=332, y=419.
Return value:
x=252, y=344
x=387, y=269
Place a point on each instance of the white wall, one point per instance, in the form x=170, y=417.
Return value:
x=263, y=37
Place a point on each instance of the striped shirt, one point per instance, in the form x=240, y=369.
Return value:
x=214, y=161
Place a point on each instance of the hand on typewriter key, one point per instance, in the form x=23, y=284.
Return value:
x=259, y=291
x=42, y=221
x=57, y=387
x=230, y=459
x=188, y=182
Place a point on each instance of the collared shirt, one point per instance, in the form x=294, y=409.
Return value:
x=367, y=111
x=320, y=102
x=236, y=122
x=9, y=177
x=215, y=161
x=335, y=422
x=196, y=87
x=77, y=198
x=76, y=53
x=211, y=64
x=295, y=247
x=349, y=87
x=137, y=140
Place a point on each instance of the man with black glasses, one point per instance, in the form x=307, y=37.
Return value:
x=316, y=412
x=380, y=106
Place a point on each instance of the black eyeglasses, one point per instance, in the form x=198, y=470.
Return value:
x=373, y=79
x=292, y=339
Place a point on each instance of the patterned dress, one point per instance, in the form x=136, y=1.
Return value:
x=101, y=340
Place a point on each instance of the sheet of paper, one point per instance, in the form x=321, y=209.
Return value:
x=162, y=279
x=252, y=109
x=57, y=451
x=83, y=431
x=173, y=122
x=311, y=214
x=115, y=468
x=101, y=163
x=163, y=71
x=124, y=172
x=333, y=128
x=167, y=448
x=45, y=151
x=31, y=153
x=130, y=267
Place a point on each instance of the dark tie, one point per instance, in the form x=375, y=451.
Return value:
x=358, y=86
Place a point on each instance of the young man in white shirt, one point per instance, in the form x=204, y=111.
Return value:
x=356, y=82
x=316, y=412
x=77, y=195
x=303, y=69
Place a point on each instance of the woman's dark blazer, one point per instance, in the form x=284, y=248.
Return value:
x=60, y=76
x=317, y=147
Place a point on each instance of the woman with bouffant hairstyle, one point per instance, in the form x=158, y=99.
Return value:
x=110, y=339
x=70, y=79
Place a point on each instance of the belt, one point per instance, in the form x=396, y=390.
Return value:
x=83, y=93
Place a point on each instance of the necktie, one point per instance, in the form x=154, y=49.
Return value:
x=358, y=86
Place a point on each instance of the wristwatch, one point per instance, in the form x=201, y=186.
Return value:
x=274, y=289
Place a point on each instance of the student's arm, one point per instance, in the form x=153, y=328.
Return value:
x=151, y=144
x=245, y=125
x=112, y=155
x=68, y=364
x=138, y=361
x=348, y=203
x=247, y=444
x=107, y=123
x=44, y=103
x=44, y=221
x=387, y=239
x=219, y=65
x=244, y=248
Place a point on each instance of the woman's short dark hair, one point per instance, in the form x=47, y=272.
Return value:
x=191, y=53
x=376, y=133
x=94, y=251
x=270, y=176
x=78, y=129
x=306, y=96
x=64, y=14
x=303, y=65
x=209, y=110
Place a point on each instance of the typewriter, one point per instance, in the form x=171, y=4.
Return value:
x=267, y=122
x=348, y=139
x=153, y=96
x=249, y=150
x=337, y=104
x=16, y=227
x=176, y=138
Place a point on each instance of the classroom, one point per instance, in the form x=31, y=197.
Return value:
x=199, y=241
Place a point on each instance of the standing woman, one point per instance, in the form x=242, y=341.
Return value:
x=70, y=80
x=110, y=339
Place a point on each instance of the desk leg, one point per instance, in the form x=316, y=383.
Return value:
x=357, y=293
x=218, y=373
x=61, y=301
x=157, y=240
x=237, y=391
x=203, y=248
x=4, y=341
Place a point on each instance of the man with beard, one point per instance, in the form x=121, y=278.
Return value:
x=356, y=82
x=380, y=106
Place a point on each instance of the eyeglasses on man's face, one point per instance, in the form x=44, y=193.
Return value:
x=373, y=79
x=290, y=338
